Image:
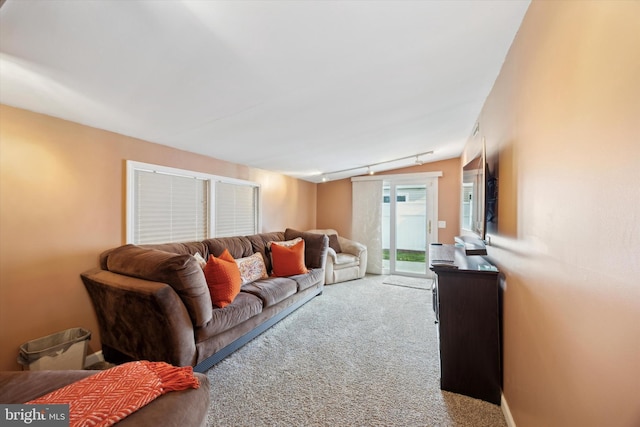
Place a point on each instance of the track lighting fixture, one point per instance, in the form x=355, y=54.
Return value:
x=369, y=168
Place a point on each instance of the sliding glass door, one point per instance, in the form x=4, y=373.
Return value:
x=407, y=226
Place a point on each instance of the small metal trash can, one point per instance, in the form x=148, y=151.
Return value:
x=60, y=351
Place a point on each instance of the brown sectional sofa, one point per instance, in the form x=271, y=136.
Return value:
x=153, y=303
x=174, y=409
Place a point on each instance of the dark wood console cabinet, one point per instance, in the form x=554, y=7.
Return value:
x=466, y=302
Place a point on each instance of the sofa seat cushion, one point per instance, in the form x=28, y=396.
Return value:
x=243, y=307
x=312, y=278
x=272, y=290
x=343, y=260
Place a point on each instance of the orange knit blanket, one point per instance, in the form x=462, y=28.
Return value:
x=109, y=396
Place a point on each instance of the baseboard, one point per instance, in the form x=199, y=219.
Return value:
x=93, y=358
x=507, y=412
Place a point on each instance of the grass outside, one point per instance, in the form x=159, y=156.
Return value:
x=405, y=255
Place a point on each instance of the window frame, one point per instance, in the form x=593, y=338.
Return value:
x=133, y=166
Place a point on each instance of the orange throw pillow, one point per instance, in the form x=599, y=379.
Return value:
x=288, y=261
x=223, y=278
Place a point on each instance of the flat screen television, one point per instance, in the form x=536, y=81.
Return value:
x=480, y=194
x=491, y=192
x=473, y=196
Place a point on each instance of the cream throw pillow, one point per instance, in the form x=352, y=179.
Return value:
x=252, y=268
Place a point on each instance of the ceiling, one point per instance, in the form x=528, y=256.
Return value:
x=296, y=87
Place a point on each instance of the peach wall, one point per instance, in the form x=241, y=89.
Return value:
x=334, y=206
x=564, y=115
x=334, y=199
x=62, y=193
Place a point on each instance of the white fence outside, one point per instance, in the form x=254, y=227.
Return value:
x=411, y=232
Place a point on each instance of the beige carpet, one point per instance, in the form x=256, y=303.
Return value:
x=361, y=354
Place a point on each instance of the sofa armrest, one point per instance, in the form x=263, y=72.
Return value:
x=332, y=255
x=351, y=247
x=355, y=248
x=141, y=319
x=187, y=407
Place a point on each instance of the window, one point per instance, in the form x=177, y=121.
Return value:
x=236, y=209
x=173, y=205
x=399, y=198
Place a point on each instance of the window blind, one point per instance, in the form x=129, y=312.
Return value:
x=169, y=208
x=236, y=209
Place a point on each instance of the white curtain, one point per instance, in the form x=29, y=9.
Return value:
x=366, y=220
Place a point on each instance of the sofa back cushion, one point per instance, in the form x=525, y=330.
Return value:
x=260, y=243
x=190, y=248
x=181, y=271
x=315, y=248
x=244, y=246
x=238, y=247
